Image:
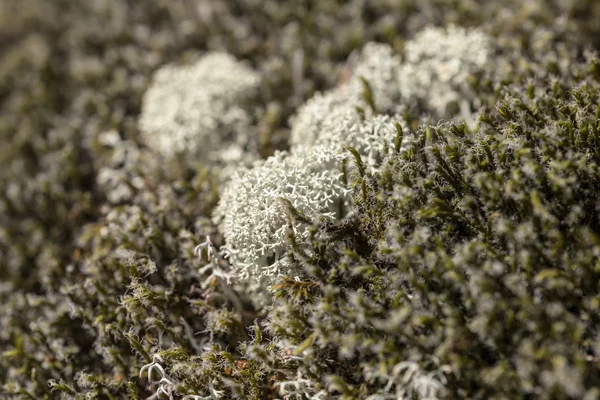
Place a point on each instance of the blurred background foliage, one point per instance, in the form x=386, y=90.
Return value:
x=77, y=285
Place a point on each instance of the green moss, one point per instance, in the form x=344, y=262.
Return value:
x=471, y=258
x=486, y=274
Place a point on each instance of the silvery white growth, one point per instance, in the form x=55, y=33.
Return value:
x=166, y=383
x=437, y=65
x=300, y=389
x=306, y=125
x=344, y=127
x=378, y=64
x=379, y=67
x=253, y=219
x=408, y=381
x=200, y=109
x=434, y=75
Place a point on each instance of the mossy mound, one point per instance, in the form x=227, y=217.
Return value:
x=472, y=268
x=467, y=265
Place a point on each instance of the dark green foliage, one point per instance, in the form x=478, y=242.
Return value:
x=488, y=268
x=473, y=254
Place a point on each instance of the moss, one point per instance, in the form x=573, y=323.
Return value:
x=484, y=278
x=469, y=284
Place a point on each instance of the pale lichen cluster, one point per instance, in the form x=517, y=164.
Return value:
x=202, y=110
x=253, y=216
x=250, y=215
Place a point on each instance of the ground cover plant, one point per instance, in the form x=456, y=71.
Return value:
x=391, y=199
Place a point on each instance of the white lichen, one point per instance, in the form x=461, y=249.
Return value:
x=253, y=218
x=433, y=79
x=436, y=68
x=300, y=388
x=371, y=137
x=378, y=67
x=408, y=380
x=203, y=109
x=306, y=125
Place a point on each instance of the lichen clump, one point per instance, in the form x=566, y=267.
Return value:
x=203, y=109
x=252, y=212
x=438, y=65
